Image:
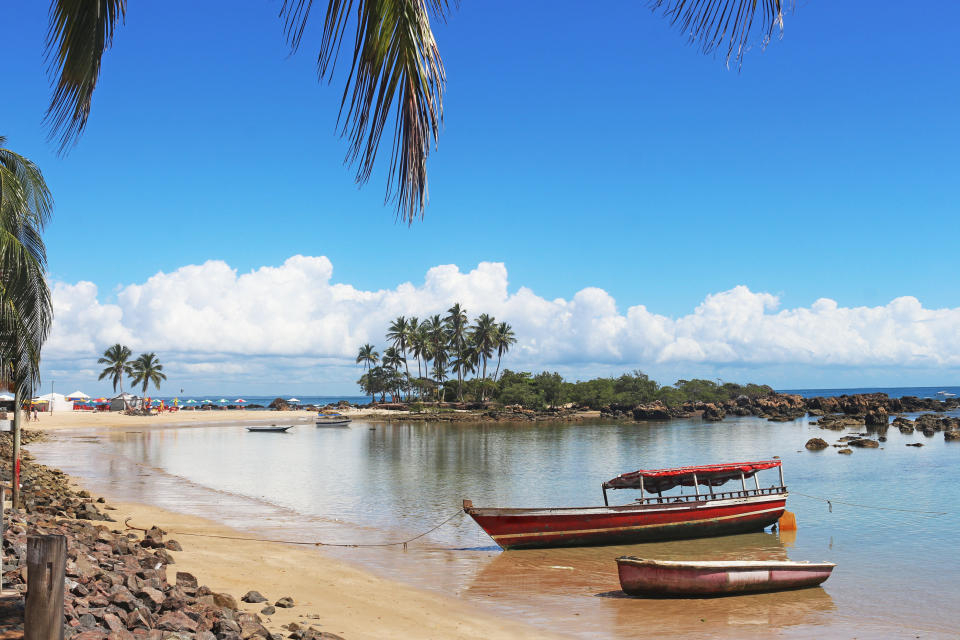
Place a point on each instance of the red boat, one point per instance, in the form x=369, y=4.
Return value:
x=702, y=514
x=639, y=577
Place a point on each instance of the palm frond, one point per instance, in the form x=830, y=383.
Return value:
x=717, y=24
x=78, y=34
x=396, y=73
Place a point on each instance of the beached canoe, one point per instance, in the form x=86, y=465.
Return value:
x=667, y=578
x=271, y=429
x=656, y=515
x=332, y=421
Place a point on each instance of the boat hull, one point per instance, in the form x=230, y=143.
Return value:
x=706, y=579
x=628, y=524
x=333, y=423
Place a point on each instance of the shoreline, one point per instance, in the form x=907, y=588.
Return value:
x=334, y=595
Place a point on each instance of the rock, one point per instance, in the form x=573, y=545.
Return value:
x=152, y=596
x=284, y=603
x=915, y=444
x=845, y=452
x=713, y=413
x=279, y=404
x=225, y=600
x=253, y=596
x=877, y=417
x=176, y=621
x=651, y=411
x=951, y=435
x=816, y=444
x=268, y=610
x=172, y=545
x=185, y=579
x=864, y=443
x=882, y=438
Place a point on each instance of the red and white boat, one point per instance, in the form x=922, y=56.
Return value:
x=639, y=577
x=654, y=516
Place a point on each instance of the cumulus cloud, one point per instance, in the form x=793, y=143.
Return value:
x=209, y=319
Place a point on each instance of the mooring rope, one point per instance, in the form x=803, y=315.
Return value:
x=830, y=502
x=459, y=512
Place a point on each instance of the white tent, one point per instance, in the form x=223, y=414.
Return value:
x=55, y=400
x=78, y=395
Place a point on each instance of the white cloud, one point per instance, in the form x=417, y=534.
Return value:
x=209, y=320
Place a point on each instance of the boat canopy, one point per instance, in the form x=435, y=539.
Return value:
x=712, y=475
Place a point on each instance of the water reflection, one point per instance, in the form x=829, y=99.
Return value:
x=389, y=482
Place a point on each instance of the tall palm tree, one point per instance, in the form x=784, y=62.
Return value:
x=396, y=73
x=420, y=347
x=399, y=335
x=482, y=336
x=117, y=359
x=146, y=369
x=392, y=359
x=438, y=340
x=503, y=339
x=456, y=322
x=26, y=311
x=368, y=356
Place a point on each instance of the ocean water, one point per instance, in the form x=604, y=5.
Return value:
x=891, y=524
x=893, y=392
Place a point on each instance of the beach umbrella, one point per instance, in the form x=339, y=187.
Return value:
x=223, y=401
x=78, y=395
x=5, y=397
x=205, y=402
x=191, y=401
x=239, y=400
x=100, y=400
x=294, y=400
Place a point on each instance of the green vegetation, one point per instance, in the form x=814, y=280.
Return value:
x=447, y=349
x=144, y=370
x=628, y=390
x=26, y=311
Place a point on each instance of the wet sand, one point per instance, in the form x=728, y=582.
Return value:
x=346, y=600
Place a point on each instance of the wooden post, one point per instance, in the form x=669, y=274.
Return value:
x=46, y=565
x=756, y=480
x=15, y=463
x=696, y=486
x=781, y=476
x=743, y=483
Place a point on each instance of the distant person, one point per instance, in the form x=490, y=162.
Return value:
x=36, y=415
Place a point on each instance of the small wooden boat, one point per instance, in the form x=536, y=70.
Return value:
x=332, y=420
x=667, y=578
x=653, y=517
x=271, y=429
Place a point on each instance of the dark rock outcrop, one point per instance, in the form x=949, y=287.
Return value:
x=816, y=444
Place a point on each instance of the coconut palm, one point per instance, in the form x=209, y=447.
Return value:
x=482, y=337
x=503, y=339
x=438, y=340
x=396, y=78
x=456, y=322
x=117, y=359
x=368, y=356
x=399, y=335
x=146, y=369
x=26, y=311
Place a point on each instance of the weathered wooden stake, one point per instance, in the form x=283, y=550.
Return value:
x=46, y=565
x=15, y=463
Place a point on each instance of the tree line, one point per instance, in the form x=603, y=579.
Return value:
x=538, y=391
x=447, y=349
x=145, y=369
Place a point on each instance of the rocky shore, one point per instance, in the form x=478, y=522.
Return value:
x=872, y=409
x=118, y=581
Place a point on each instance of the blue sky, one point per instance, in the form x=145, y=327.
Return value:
x=581, y=148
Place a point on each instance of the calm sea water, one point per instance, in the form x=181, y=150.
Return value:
x=369, y=483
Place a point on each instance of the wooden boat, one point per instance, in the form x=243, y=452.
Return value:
x=332, y=420
x=652, y=517
x=639, y=577
x=271, y=429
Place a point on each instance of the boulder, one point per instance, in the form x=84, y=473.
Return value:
x=268, y=610
x=713, y=413
x=816, y=444
x=285, y=602
x=864, y=443
x=951, y=435
x=279, y=404
x=915, y=444
x=845, y=452
x=651, y=411
x=877, y=417
x=253, y=597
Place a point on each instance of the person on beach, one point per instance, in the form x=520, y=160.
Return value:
x=36, y=415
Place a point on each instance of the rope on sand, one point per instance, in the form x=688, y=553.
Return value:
x=830, y=502
x=459, y=512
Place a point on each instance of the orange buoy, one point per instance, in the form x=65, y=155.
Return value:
x=787, y=522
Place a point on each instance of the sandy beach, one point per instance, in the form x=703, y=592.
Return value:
x=334, y=596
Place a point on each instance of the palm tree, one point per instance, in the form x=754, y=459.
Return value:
x=146, y=369
x=396, y=74
x=392, y=359
x=117, y=360
x=399, y=335
x=368, y=356
x=481, y=336
x=503, y=339
x=456, y=321
x=438, y=341
x=26, y=311
x=420, y=347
